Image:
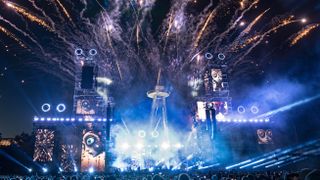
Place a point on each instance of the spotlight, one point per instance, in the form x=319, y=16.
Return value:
x=165, y=145
x=125, y=146
x=139, y=146
x=254, y=109
x=60, y=169
x=44, y=170
x=142, y=134
x=45, y=107
x=178, y=146
x=29, y=170
x=61, y=107
x=241, y=109
x=91, y=170
x=75, y=169
x=242, y=23
x=35, y=118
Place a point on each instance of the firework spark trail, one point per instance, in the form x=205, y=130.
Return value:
x=64, y=10
x=137, y=36
x=198, y=37
x=262, y=36
x=44, y=14
x=28, y=15
x=249, y=27
x=237, y=43
x=110, y=29
x=167, y=33
x=235, y=23
x=23, y=32
x=302, y=33
x=12, y=36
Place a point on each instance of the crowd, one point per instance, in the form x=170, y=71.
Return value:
x=304, y=174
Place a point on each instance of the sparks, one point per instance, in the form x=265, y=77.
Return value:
x=64, y=10
x=211, y=15
x=302, y=33
x=12, y=36
x=28, y=15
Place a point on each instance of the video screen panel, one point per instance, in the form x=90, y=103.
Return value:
x=93, y=155
x=264, y=136
x=219, y=106
x=44, y=144
x=216, y=75
x=87, y=77
x=86, y=107
x=68, y=157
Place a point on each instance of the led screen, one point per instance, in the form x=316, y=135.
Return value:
x=93, y=149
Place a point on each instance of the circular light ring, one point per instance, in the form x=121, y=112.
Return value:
x=208, y=56
x=241, y=109
x=221, y=56
x=254, y=109
x=142, y=134
x=45, y=107
x=61, y=108
x=78, y=52
x=155, y=134
x=93, y=52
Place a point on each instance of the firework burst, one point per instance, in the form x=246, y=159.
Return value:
x=130, y=44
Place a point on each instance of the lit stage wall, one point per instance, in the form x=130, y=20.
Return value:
x=70, y=148
x=219, y=106
x=93, y=155
x=44, y=145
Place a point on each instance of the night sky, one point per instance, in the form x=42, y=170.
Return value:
x=295, y=70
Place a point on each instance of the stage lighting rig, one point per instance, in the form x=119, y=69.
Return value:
x=61, y=108
x=46, y=107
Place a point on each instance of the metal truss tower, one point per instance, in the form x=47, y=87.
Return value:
x=159, y=109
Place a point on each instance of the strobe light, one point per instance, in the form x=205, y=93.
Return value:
x=45, y=107
x=221, y=56
x=44, y=170
x=254, y=109
x=91, y=170
x=208, y=56
x=92, y=52
x=61, y=107
x=78, y=52
x=241, y=109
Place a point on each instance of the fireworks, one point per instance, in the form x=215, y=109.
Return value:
x=12, y=36
x=64, y=10
x=28, y=15
x=124, y=34
x=301, y=34
x=210, y=16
